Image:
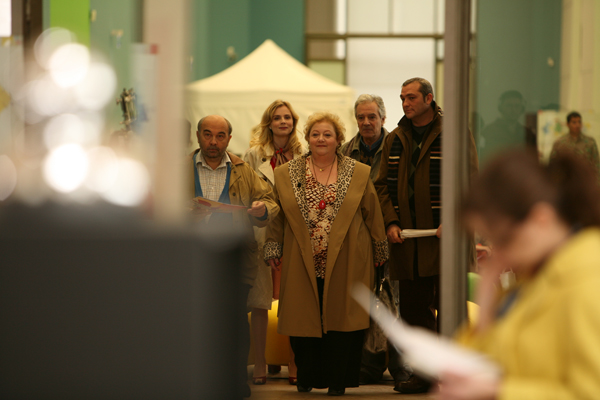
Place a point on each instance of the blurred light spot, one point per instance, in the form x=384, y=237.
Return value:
x=64, y=129
x=8, y=177
x=69, y=64
x=103, y=170
x=65, y=168
x=45, y=98
x=50, y=40
x=131, y=185
x=97, y=88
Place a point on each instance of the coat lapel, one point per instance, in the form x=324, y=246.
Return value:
x=266, y=169
x=296, y=210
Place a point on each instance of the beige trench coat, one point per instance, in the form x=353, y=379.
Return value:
x=357, y=240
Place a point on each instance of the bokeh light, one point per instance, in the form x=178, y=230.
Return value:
x=8, y=177
x=97, y=88
x=103, y=169
x=65, y=167
x=131, y=186
x=50, y=40
x=69, y=64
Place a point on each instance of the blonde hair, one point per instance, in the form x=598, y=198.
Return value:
x=324, y=116
x=262, y=135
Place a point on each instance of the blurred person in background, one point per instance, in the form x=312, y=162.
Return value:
x=409, y=189
x=582, y=145
x=506, y=131
x=544, y=223
x=328, y=237
x=274, y=142
x=222, y=176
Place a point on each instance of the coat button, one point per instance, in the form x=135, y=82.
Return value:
x=264, y=159
x=233, y=194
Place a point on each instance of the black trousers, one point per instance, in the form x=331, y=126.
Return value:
x=419, y=299
x=331, y=361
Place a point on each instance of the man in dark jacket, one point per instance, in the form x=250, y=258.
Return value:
x=409, y=189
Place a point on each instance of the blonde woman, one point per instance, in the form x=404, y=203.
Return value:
x=274, y=142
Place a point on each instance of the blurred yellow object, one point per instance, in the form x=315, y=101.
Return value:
x=472, y=312
x=277, y=350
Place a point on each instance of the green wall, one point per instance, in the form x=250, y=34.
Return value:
x=243, y=24
x=514, y=40
x=72, y=15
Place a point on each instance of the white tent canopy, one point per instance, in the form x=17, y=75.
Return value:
x=242, y=92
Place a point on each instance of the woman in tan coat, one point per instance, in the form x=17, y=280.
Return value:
x=328, y=237
x=274, y=142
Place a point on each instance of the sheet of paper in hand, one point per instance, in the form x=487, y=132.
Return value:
x=209, y=206
x=416, y=233
x=427, y=353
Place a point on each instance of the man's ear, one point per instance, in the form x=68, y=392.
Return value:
x=429, y=98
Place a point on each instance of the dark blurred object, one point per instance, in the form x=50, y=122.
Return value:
x=96, y=304
x=127, y=101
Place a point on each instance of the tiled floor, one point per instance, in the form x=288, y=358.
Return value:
x=277, y=387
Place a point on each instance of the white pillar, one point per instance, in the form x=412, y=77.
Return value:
x=166, y=25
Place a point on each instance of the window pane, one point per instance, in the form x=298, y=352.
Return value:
x=523, y=54
x=380, y=66
x=326, y=49
x=368, y=16
x=411, y=16
x=334, y=70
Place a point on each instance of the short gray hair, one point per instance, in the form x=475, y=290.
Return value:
x=226, y=120
x=425, y=88
x=370, y=98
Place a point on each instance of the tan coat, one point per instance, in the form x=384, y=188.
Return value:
x=245, y=187
x=402, y=255
x=357, y=240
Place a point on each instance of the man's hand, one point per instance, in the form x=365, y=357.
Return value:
x=393, y=234
x=258, y=209
x=275, y=263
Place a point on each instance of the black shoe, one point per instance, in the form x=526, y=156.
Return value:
x=336, y=392
x=303, y=389
x=413, y=385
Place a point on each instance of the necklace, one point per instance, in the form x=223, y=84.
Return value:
x=322, y=203
x=322, y=169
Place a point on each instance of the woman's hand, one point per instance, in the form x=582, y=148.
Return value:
x=378, y=264
x=455, y=386
x=275, y=263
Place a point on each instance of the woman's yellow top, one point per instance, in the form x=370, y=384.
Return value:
x=548, y=343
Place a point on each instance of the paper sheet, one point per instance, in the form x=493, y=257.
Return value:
x=425, y=352
x=416, y=233
x=208, y=206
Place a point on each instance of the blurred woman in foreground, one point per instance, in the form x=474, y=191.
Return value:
x=543, y=222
